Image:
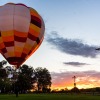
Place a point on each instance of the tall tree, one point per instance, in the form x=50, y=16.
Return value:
x=43, y=79
x=24, y=81
x=3, y=75
x=2, y=63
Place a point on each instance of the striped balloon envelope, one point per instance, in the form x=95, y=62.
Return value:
x=21, y=32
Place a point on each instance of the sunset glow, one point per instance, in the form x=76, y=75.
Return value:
x=80, y=85
x=83, y=80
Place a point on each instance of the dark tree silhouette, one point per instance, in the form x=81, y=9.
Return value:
x=43, y=79
x=75, y=90
x=24, y=81
x=25, y=78
x=3, y=76
x=2, y=63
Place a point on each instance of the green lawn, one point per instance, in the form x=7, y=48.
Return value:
x=49, y=97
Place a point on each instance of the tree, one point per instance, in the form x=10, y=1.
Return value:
x=25, y=81
x=75, y=90
x=2, y=63
x=25, y=78
x=43, y=78
x=3, y=75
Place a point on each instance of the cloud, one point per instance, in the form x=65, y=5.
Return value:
x=84, y=79
x=76, y=64
x=73, y=47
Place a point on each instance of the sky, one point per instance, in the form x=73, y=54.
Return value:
x=72, y=33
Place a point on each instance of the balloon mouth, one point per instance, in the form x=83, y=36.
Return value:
x=15, y=61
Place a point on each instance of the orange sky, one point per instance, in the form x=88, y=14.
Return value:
x=86, y=79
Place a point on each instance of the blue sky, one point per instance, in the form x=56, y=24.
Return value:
x=72, y=32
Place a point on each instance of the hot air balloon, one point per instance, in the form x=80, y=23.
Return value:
x=21, y=32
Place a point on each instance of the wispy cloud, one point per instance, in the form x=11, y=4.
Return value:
x=84, y=78
x=71, y=46
x=75, y=64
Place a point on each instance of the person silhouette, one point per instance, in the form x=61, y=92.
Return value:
x=16, y=91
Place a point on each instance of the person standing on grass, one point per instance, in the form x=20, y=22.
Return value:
x=16, y=91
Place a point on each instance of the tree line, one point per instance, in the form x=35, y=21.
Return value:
x=25, y=78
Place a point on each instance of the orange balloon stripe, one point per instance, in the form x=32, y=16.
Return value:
x=34, y=27
x=20, y=34
x=8, y=38
x=18, y=49
x=32, y=31
x=25, y=50
x=1, y=41
x=11, y=54
x=7, y=33
x=2, y=45
x=34, y=12
x=17, y=54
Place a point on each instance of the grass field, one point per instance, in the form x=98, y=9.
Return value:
x=49, y=97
